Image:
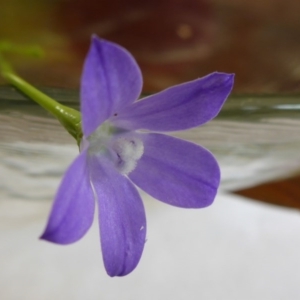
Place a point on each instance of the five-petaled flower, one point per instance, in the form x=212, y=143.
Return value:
x=118, y=150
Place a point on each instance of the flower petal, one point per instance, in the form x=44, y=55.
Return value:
x=177, y=172
x=180, y=107
x=73, y=209
x=111, y=80
x=121, y=216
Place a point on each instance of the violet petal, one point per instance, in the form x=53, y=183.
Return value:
x=177, y=172
x=73, y=209
x=180, y=107
x=122, y=218
x=111, y=80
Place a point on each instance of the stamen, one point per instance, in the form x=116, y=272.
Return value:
x=129, y=150
x=123, y=148
x=125, y=167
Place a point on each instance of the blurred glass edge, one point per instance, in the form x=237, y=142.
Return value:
x=255, y=137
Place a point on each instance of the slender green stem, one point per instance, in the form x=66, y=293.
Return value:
x=68, y=117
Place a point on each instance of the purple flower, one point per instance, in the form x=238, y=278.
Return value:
x=118, y=152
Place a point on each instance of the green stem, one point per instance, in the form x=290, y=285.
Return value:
x=68, y=117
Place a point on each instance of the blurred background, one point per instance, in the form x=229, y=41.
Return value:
x=246, y=245
x=172, y=40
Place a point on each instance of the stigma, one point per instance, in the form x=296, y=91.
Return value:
x=128, y=149
x=123, y=148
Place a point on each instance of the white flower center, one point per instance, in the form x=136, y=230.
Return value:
x=129, y=150
x=122, y=147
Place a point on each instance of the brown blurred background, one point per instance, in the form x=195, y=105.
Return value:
x=173, y=40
